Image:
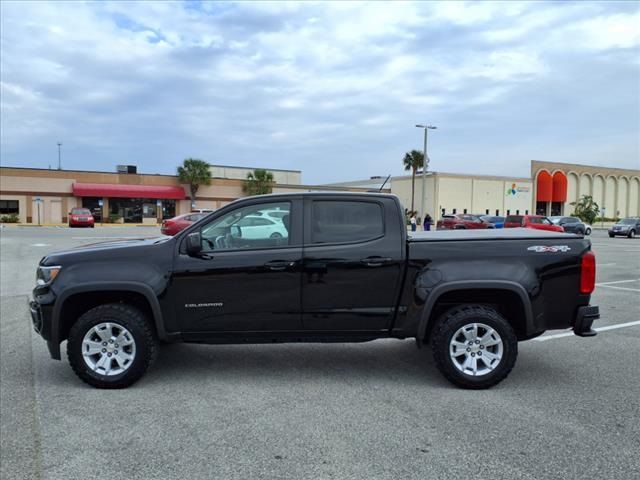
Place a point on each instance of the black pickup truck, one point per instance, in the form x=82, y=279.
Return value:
x=334, y=267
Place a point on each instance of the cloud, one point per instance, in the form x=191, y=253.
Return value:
x=330, y=88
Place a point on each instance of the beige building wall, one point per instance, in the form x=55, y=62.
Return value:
x=455, y=194
x=401, y=186
x=285, y=177
x=634, y=197
x=488, y=195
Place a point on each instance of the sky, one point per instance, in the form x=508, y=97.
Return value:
x=330, y=88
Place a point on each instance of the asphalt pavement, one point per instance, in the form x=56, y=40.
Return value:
x=377, y=410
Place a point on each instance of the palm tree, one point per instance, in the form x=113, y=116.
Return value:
x=258, y=182
x=413, y=160
x=194, y=172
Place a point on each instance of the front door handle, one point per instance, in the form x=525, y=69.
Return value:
x=279, y=265
x=376, y=261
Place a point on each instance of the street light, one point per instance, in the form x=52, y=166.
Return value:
x=425, y=164
x=59, y=160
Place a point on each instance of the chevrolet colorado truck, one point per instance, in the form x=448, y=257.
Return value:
x=341, y=269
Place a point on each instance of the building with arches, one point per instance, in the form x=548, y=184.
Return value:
x=557, y=185
x=550, y=190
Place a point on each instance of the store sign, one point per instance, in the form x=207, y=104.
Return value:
x=515, y=190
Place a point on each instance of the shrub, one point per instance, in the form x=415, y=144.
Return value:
x=12, y=218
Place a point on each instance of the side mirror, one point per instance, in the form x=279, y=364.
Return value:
x=194, y=244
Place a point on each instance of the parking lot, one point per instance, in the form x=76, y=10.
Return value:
x=377, y=410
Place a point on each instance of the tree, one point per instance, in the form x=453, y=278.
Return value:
x=413, y=160
x=194, y=172
x=586, y=209
x=258, y=182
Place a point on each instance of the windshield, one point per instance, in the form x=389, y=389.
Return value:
x=80, y=211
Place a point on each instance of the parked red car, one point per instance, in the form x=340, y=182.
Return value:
x=462, y=221
x=537, y=222
x=176, y=224
x=81, y=217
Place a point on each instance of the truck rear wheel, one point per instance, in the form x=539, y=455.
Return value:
x=111, y=346
x=474, y=346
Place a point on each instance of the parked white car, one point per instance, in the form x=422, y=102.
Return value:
x=256, y=227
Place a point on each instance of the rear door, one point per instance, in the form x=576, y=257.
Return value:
x=352, y=263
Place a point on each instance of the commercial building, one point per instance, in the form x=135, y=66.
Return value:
x=549, y=191
x=44, y=196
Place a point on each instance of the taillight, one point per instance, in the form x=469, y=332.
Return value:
x=588, y=273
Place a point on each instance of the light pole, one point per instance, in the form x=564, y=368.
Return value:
x=59, y=158
x=425, y=165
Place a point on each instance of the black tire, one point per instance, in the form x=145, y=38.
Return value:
x=146, y=344
x=611, y=235
x=275, y=235
x=450, y=323
x=632, y=234
x=587, y=231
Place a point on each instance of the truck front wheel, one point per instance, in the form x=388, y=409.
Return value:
x=474, y=346
x=111, y=346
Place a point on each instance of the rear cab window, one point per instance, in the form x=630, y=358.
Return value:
x=345, y=221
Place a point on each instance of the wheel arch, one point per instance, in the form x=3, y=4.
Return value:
x=510, y=298
x=77, y=300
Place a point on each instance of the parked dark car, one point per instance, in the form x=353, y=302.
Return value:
x=536, y=222
x=81, y=217
x=571, y=225
x=346, y=271
x=462, y=221
x=628, y=227
x=496, y=221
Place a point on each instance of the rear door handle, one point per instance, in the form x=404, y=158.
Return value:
x=376, y=261
x=279, y=265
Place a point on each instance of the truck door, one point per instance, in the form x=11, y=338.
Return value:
x=247, y=277
x=352, y=263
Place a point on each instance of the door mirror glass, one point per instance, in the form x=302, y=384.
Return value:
x=194, y=244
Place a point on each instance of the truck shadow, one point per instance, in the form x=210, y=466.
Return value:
x=381, y=360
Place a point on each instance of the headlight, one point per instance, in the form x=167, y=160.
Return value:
x=46, y=275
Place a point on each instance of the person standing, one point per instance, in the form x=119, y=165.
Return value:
x=427, y=222
x=413, y=221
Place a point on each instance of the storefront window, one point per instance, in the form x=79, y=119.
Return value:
x=8, y=207
x=93, y=204
x=168, y=209
x=136, y=210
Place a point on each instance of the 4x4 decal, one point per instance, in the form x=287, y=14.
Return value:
x=546, y=249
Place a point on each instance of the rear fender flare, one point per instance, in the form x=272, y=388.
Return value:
x=440, y=290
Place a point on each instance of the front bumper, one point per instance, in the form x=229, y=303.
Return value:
x=584, y=319
x=41, y=310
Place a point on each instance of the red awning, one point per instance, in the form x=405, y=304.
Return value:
x=545, y=187
x=559, y=187
x=127, y=191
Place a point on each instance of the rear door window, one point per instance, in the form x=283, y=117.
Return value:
x=345, y=221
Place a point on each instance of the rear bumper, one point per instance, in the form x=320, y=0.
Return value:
x=584, y=319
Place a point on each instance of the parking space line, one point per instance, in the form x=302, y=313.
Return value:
x=620, y=288
x=598, y=329
x=617, y=281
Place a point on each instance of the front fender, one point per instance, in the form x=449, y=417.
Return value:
x=135, y=287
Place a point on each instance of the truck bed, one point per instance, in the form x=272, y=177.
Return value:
x=488, y=234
